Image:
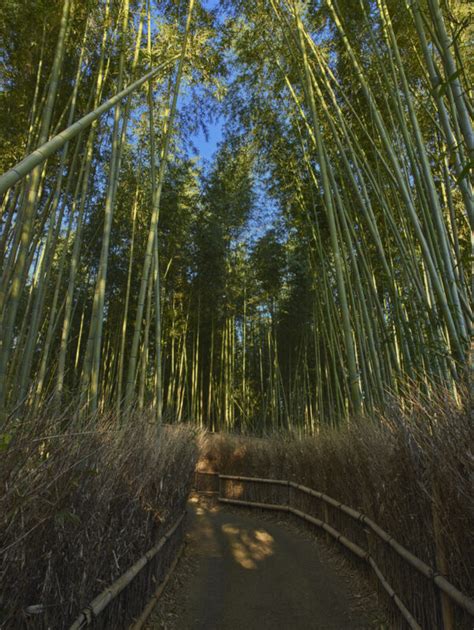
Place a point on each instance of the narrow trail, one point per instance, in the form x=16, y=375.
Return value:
x=244, y=572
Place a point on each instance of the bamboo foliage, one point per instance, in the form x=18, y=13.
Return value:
x=128, y=275
x=94, y=343
x=156, y=197
x=23, y=244
x=25, y=228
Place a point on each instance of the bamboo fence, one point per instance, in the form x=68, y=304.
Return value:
x=285, y=496
x=138, y=625
x=99, y=603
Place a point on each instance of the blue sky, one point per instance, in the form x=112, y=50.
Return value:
x=211, y=4
x=266, y=211
x=207, y=146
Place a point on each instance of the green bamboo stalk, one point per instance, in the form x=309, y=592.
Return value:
x=155, y=214
x=328, y=200
x=19, y=272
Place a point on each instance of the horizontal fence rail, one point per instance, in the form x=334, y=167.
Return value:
x=441, y=582
x=218, y=485
x=141, y=621
x=99, y=603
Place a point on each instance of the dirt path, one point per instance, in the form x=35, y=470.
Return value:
x=244, y=572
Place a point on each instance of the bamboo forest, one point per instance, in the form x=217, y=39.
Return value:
x=235, y=237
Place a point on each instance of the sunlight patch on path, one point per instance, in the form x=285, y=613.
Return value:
x=248, y=547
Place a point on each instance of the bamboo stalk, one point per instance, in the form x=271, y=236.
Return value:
x=50, y=147
x=152, y=232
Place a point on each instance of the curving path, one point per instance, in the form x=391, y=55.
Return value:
x=253, y=574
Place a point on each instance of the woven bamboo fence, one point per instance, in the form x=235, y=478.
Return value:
x=422, y=596
x=156, y=565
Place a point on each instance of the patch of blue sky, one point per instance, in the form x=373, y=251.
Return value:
x=264, y=216
x=211, y=5
x=206, y=141
x=205, y=135
x=203, y=124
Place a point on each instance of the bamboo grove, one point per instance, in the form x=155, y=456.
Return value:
x=133, y=275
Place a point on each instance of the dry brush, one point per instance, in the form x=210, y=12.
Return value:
x=80, y=504
x=410, y=470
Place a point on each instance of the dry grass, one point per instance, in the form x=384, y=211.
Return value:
x=411, y=471
x=80, y=504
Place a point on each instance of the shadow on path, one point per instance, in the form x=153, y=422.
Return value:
x=252, y=574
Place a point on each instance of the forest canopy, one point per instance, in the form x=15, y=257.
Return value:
x=316, y=262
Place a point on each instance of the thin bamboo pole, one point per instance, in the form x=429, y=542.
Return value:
x=46, y=150
x=155, y=213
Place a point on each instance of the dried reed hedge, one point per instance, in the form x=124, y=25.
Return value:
x=78, y=506
x=411, y=471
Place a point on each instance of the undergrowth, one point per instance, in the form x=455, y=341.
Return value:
x=80, y=503
x=410, y=469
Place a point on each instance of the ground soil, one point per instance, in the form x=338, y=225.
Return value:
x=248, y=570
